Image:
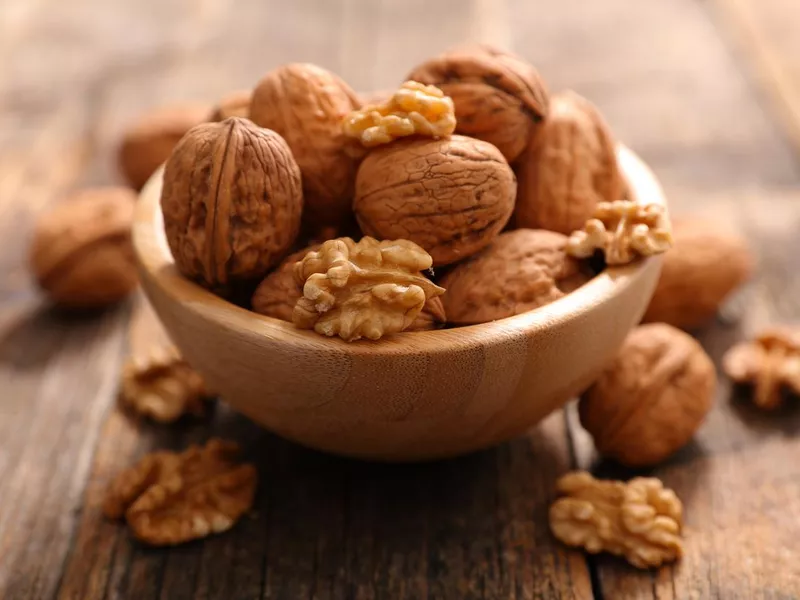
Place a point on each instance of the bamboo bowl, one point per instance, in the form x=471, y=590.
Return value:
x=412, y=396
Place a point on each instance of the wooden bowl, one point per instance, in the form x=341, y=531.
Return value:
x=412, y=396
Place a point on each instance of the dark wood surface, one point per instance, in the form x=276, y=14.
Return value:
x=698, y=88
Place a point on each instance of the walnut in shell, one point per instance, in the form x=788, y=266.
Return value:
x=498, y=97
x=770, y=363
x=81, y=255
x=450, y=196
x=650, y=401
x=232, y=104
x=231, y=200
x=704, y=266
x=640, y=520
x=306, y=105
x=569, y=167
x=366, y=289
x=147, y=144
x=521, y=270
x=170, y=498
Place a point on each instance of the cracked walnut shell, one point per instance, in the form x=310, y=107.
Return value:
x=640, y=520
x=498, y=97
x=451, y=196
x=650, y=401
x=306, y=105
x=569, y=167
x=81, y=254
x=170, y=498
x=520, y=271
x=623, y=230
x=365, y=289
x=770, y=363
x=231, y=201
x=413, y=109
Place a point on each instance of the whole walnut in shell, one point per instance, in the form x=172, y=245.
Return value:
x=306, y=105
x=704, y=266
x=570, y=166
x=499, y=98
x=147, y=144
x=521, y=270
x=451, y=196
x=81, y=254
x=650, y=401
x=231, y=200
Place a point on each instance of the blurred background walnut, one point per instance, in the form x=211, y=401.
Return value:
x=499, y=98
x=233, y=104
x=232, y=201
x=451, y=196
x=652, y=399
x=569, y=167
x=81, y=254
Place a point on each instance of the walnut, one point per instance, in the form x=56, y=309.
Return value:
x=161, y=385
x=498, y=97
x=569, y=167
x=231, y=200
x=623, y=230
x=704, y=266
x=81, y=254
x=650, y=401
x=640, y=520
x=233, y=104
x=413, y=109
x=520, y=271
x=770, y=362
x=451, y=196
x=170, y=498
x=306, y=105
x=365, y=289
x=147, y=144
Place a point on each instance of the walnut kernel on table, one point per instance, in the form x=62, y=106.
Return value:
x=650, y=401
x=519, y=271
x=81, y=254
x=498, y=97
x=306, y=105
x=451, y=196
x=624, y=230
x=232, y=201
x=639, y=520
x=568, y=168
x=414, y=109
x=770, y=363
x=170, y=498
x=366, y=289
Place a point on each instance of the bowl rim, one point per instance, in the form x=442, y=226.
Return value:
x=156, y=267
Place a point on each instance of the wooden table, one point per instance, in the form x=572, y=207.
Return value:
x=707, y=92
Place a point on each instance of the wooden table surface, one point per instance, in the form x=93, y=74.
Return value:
x=708, y=92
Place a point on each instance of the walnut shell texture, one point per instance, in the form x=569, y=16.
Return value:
x=232, y=202
x=569, y=167
x=499, y=98
x=652, y=399
x=147, y=144
x=306, y=105
x=81, y=254
x=451, y=196
x=704, y=266
x=520, y=271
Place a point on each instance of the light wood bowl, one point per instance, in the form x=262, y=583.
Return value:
x=412, y=396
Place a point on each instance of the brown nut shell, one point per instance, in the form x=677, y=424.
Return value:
x=652, y=399
x=569, y=167
x=499, y=98
x=451, y=196
x=232, y=104
x=520, y=271
x=232, y=202
x=306, y=105
x=81, y=254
